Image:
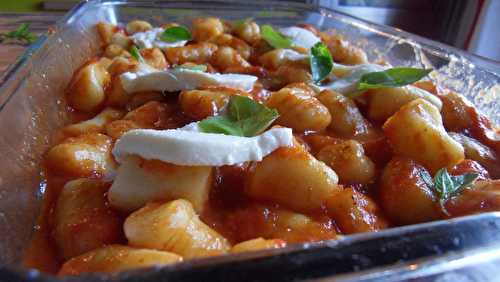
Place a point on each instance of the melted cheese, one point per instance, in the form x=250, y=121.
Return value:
x=183, y=79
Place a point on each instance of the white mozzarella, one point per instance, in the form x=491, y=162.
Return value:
x=151, y=38
x=192, y=148
x=183, y=79
x=136, y=184
x=345, y=79
x=301, y=37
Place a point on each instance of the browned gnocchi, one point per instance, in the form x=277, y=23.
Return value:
x=299, y=109
x=181, y=230
x=83, y=219
x=116, y=258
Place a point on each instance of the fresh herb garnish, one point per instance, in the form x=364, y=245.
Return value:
x=244, y=117
x=321, y=62
x=175, y=34
x=202, y=68
x=394, y=77
x=134, y=51
x=427, y=178
x=21, y=34
x=446, y=185
x=274, y=38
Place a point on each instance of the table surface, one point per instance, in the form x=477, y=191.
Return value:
x=40, y=22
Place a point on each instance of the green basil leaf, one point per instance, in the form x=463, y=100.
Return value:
x=21, y=33
x=443, y=183
x=253, y=117
x=202, y=68
x=469, y=179
x=175, y=34
x=427, y=178
x=321, y=62
x=394, y=77
x=463, y=181
x=244, y=117
x=134, y=51
x=220, y=125
x=22, y=30
x=448, y=185
x=274, y=38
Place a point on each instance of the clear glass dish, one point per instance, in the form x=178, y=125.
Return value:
x=32, y=105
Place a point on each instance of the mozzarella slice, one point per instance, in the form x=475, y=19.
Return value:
x=192, y=148
x=183, y=79
x=140, y=181
x=301, y=37
x=290, y=55
x=346, y=78
x=151, y=38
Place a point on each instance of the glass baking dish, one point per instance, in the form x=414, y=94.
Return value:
x=32, y=105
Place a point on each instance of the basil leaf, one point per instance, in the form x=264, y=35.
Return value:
x=394, y=77
x=21, y=30
x=244, y=117
x=448, y=185
x=321, y=62
x=463, y=181
x=274, y=38
x=175, y=34
x=134, y=51
x=21, y=33
x=443, y=184
x=202, y=68
x=427, y=178
x=253, y=117
x=221, y=125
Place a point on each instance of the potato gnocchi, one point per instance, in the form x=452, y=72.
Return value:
x=318, y=155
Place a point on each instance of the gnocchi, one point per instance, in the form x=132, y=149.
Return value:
x=299, y=110
x=87, y=90
x=343, y=51
x=480, y=153
x=384, y=102
x=200, y=53
x=248, y=31
x=199, y=104
x=138, y=26
x=416, y=131
x=94, y=125
x=404, y=196
x=116, y=258
x=349, y=161
x=347, y=121
x=226, y=57
x=205, y=29
x=155, y=58
x=355, y=212
x=83, y=156
x=82, y=218
x=258, y=244
x=181, y=231
x=294, y=178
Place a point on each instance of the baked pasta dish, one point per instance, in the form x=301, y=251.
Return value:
x=228, y=137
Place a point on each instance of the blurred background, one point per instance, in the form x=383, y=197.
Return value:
x=465, y=24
